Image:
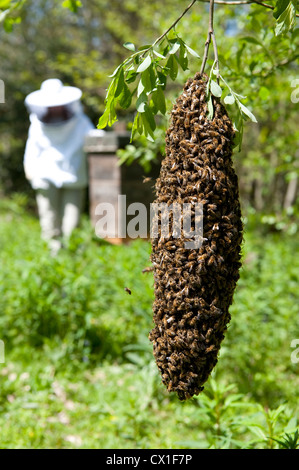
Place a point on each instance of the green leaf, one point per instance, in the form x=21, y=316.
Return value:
x=162, y=80
x=159, y=55
x=145, y=64
x=115, y=71
x=141, y=102
x=120, y=83
x=159, y=100
x=192, y=52
x=173, y=67
x=140, y=88
x=130, y=46
x=150, y=118
x=144, y=47
x=216, y=90
x=135, y=126
x=148, y=79
x=280, y=6
x=183, y=57
x=247, y=112
x=238, y=125
x=229, y=99
x=125, y=97
x=108, y=118
x=174, y=48
x=131, y=76
x=286, y=21
x=210, y=108
x=148, y=131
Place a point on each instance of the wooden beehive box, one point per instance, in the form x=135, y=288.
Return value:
x=108, y=180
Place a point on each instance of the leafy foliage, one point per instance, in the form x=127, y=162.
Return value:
x=145, y=75
x=146, y=65
x=285, y=15
x=150, y=67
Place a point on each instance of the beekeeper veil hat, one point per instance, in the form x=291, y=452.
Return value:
x=53, y=94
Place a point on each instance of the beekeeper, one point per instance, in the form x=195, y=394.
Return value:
x=54, y=160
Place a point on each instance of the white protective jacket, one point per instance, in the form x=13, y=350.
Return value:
x=54, y=153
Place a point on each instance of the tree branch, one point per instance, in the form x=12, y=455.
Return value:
x=174, y=24
x=211, y=36
x=242, y=2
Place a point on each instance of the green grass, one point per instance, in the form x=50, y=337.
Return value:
x=79, y=370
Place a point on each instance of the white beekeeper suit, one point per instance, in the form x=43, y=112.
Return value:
x=54, y=160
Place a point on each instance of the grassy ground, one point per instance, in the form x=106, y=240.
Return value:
x=79, y=371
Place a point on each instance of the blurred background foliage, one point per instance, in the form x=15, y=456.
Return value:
x=84, y=48
x=79, y=370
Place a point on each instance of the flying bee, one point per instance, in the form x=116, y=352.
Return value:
x=147, y=179
x=128, y=290
x=148, y=269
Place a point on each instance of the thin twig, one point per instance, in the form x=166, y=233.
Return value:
x=208, y=41
x=211, y=36
x=216, y=54
x=174, y=24
x=242, y=2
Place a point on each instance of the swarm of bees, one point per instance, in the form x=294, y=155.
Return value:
x=194, y=287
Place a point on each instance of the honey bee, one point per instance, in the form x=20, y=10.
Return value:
x=219, y=149
x=210, y=348
x=194, y=347
x=147, y=179
x=206, y=174
x=212, y=260
x=128, y=290
x=184, y=291
x=148, y=269
x=193, y=322
x=218, y=108
x=195, y=103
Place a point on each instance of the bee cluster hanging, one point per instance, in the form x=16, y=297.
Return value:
x=194, y=287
